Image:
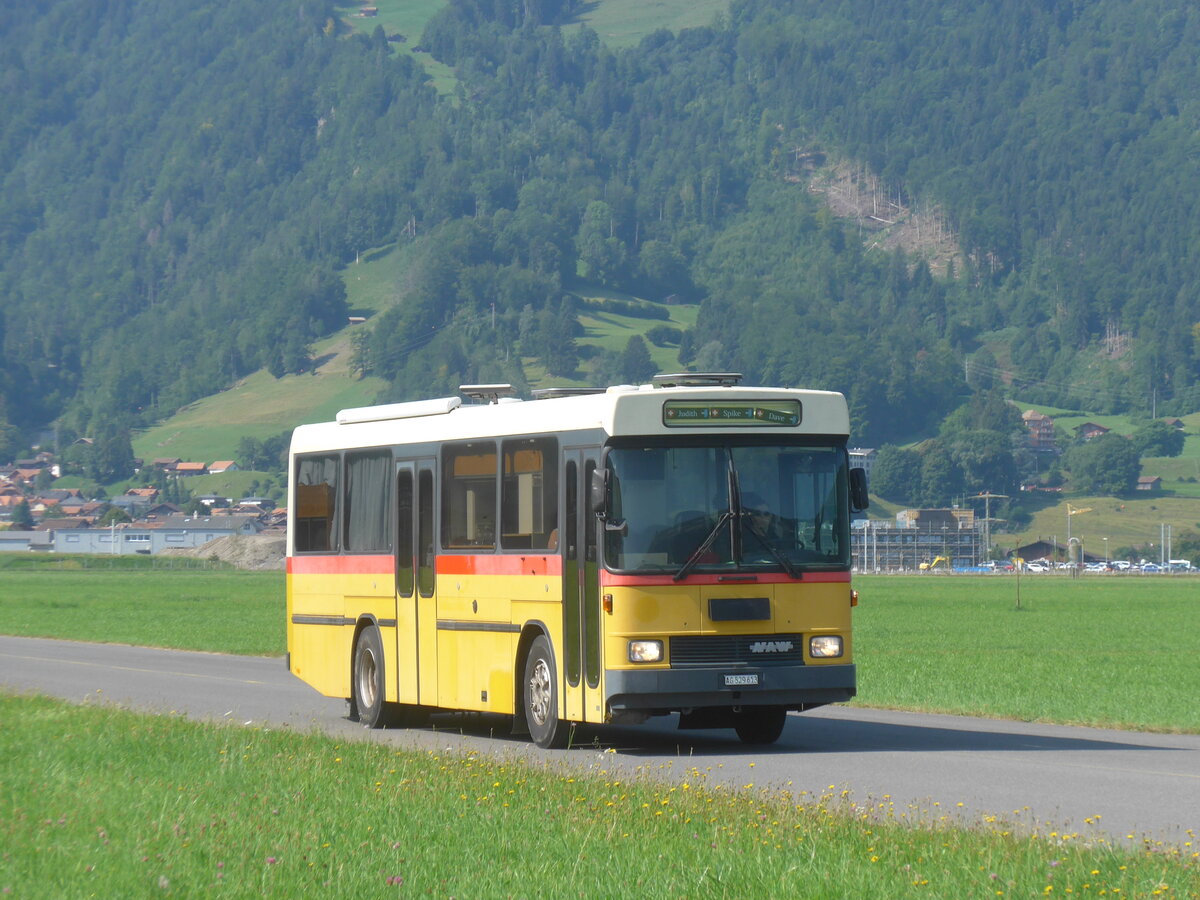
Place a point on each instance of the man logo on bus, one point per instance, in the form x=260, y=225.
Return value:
x=771, y=647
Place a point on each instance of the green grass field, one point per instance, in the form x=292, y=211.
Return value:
x=98, y=802
x=1110, y=651
x=225, y=611
x=622, y=23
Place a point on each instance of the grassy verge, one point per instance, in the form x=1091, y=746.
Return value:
x=99, y=802
x=127, y=602
x=1108, y=651
x=33, y=563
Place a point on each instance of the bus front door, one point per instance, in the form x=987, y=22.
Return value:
x=426, y=630
x=582, y=660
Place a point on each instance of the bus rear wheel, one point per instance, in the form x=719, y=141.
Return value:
x=541, y=697
x=760, y=725
x=367, y=679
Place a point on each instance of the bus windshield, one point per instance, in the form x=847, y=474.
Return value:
x=727, y=506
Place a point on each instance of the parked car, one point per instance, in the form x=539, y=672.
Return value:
x=1037, y=566
x=1151, y=567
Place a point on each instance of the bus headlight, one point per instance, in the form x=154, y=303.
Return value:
x=823, y=646
x=645, y=651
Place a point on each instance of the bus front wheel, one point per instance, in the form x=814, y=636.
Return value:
x=541, y=697
x=760, y=725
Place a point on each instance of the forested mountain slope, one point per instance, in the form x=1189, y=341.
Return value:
x=180, y=183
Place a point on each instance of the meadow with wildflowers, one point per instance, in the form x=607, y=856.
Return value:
x=102, y=802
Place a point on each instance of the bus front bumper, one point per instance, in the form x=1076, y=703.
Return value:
x=670, y=690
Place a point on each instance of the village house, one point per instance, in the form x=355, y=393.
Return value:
x=1089, y=431
x=7, y=503
x=58, y=523
x=162, y=510
x=1041, y=431
x=78, y=508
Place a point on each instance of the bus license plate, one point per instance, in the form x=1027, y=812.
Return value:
x=731, y=680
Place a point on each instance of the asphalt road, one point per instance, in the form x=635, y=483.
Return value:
x=1129, y=785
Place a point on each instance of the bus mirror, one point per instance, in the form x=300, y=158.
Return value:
x=599, y=491
x=858, y=490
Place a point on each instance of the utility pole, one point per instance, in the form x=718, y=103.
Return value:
x=987, y=497
x=1073, y=511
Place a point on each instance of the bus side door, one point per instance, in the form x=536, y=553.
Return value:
x=581, y=662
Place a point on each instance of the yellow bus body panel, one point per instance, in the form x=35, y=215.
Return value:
x=665, y=611
x=480, y=621
x=320, y=653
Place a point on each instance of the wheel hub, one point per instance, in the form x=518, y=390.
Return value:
x=540, y=693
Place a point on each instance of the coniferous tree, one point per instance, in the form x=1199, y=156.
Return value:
x=636, y=365
x=22, y=517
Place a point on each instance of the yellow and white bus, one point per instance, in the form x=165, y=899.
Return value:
x=585, y=556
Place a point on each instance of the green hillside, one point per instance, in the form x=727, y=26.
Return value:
x=1125, y=522
x=261, y=406
x=932, y=208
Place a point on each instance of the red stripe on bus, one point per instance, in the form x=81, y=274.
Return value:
x=500, y=564
x=607, y=579
x=341, y=565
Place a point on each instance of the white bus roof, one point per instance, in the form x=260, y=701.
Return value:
x=623, y=410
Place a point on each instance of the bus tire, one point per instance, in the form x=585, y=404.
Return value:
x=760, y=724
x=367, y=679
x=541, y=697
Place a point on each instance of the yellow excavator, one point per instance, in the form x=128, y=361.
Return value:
x=942, y=561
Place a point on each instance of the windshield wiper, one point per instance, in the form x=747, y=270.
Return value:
x=769, y=546
x=732, y=516
x=727, y=517
x=699, y=552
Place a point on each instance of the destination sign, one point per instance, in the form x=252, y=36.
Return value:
x=736, y=413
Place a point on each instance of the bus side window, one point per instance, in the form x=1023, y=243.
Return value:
x=368, y=512
x=316, y=504
x=469, y=496
x=529, y=494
